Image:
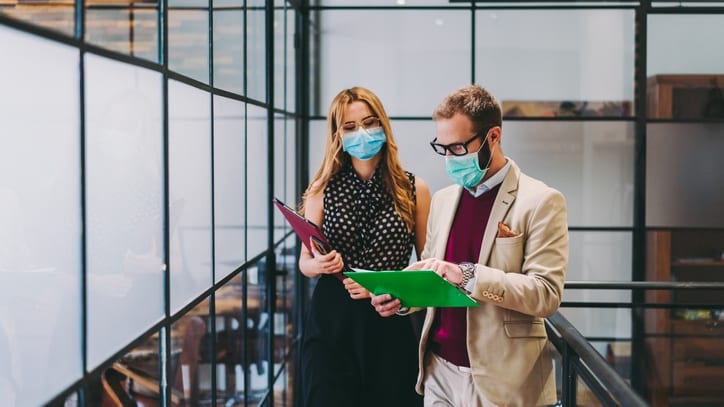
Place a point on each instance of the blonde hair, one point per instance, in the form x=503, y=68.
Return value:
x=394, y=178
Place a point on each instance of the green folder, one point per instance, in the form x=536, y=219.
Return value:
x=414, y=288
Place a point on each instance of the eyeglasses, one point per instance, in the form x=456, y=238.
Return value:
x=456, y=148
x=368, y=123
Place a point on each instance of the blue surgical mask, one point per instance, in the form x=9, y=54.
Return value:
x=465, y=169
x=364, y=144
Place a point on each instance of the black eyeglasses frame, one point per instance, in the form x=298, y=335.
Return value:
x=441, y=149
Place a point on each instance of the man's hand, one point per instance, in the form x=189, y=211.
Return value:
x=385, y=305
x=449, y=271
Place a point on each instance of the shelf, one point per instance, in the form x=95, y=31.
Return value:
x=698, y=263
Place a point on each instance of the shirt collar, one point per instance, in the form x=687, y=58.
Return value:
x=491, y=182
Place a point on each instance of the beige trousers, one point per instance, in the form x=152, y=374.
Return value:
x=449, y=385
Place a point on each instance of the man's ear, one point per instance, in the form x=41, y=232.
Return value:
x=495, y=134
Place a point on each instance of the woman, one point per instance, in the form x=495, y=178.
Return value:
x=373, y=213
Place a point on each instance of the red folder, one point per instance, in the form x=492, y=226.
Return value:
x=307, y=231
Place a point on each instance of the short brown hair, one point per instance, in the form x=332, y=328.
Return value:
x=473, y=101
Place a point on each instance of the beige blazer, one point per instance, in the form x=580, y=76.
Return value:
x=519, y=281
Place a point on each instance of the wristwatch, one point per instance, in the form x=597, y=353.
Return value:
x=468, y=270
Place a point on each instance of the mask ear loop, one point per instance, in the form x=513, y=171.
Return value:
x=490, y=149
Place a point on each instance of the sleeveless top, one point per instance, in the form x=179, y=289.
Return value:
x=361, y=223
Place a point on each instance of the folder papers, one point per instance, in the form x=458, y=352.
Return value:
x=414, y=288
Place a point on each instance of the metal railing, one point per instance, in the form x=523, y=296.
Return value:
x=580, y=360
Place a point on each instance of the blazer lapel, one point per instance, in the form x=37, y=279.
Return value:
x=447, y=211
x=503, y=202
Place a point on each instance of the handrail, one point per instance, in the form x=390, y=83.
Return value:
x=645, y=285
x=563, y=334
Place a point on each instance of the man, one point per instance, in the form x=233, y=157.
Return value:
x=502, y=236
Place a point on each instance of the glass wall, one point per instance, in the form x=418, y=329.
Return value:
x=684, y=201
x=618, y=105
x=141, y=144
x=41, y=250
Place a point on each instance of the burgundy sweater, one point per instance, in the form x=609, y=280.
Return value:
x=448, y=332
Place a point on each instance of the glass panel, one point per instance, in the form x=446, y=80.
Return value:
x=688, y=86
x=229, y=343
x=390, y=3
x=687, y=3
x=599, y=322
x=583, y=61
x=599, y=256
x=673, y=34
x=229, y=191
x=190, y=374
x=317, y=140
x=558, y=369
x=124, y=203
x=690, y=197
x=40, y=214
x=284, y=57
x=72, y=400
x=315, y=66
x=188, y=43
x=229, y=3
x=281, y=169
x=684, y=345
x=189, y=192
x=353, y=45
x=256, y=50
x=280, y=62
x=284, y=332
x=283, y=387
x=126, y=27
x=229, y=49
x=133, y=379
x=584, y=395
x=617, y=355
x=291, y=64
x=57, y=15
x=258, y=181
x=188, y=3
x=591, y=163
x=258, y=326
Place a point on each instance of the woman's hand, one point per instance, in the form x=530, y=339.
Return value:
x=329, y=263
x=356, y=291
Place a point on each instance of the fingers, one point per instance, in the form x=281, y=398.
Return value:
x=329, y=263
x=389, y=308
x=356, y=291
x=449, y=271
x=380, y=299
x=351, y=285
x=359, y=295
x=418, y=265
